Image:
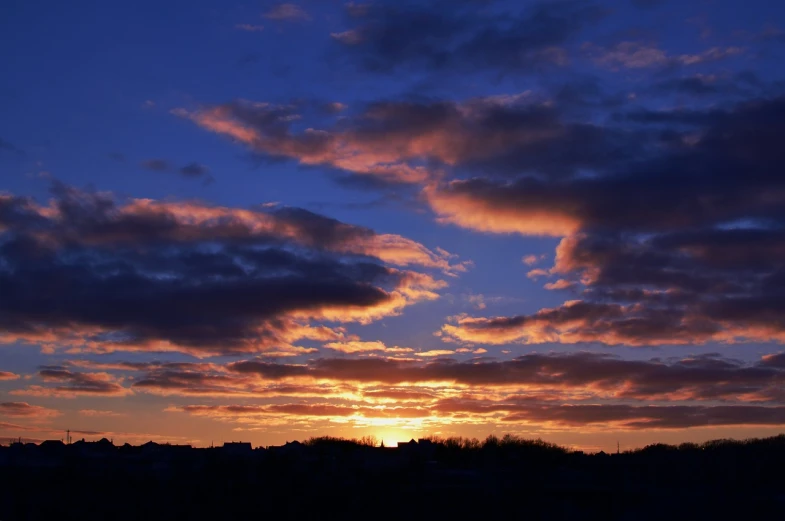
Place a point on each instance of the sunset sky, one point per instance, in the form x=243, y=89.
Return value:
x=262, y=222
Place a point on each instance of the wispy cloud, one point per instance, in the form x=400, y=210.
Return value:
x=251, y=28
x=639, y=55
x=25, y=410
x=191, y=170
x=288, y=12
x=97, y=413
x=6, y=146
x=74, y=384
x=357, y=346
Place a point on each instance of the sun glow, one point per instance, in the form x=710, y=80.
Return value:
x=391, y=437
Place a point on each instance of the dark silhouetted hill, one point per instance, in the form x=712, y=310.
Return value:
x=333, y=478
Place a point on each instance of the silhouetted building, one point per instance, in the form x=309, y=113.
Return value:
x=331, y=477
x=52, y=445
x=236, y=448
x=407, y=444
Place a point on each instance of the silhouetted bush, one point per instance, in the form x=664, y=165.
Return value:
x=328, y=477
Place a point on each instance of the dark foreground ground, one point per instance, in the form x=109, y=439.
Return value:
x=332, y=479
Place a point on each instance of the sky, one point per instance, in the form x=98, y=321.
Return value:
x=261, y=221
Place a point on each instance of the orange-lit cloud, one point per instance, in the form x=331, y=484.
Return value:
x=544, y=391
x=100, y=414
x=677, y=289
x=16, y=427
x=74, y=384
x=531, y=259
x=26, y=410
x=473, y=212
x=576, y=377
x=612, y=324
x=649, y=264
x=434, y=353
x=364, y=347
x=599, y=375
x=394, y=141
x=145, y=220
x=319, y=269
x=559, y=284
x=551, y=416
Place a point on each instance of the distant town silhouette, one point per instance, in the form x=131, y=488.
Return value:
x=507, y=476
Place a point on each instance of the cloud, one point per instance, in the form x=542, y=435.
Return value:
x=190, y=171
x=557, y=417
x=192, y=383
x=208, y=379
x=677, y=247
x=606, y=376
x=333, y=107
x=548, y=390
x=543, y=415
x=706, y=85
x=266, y=129
x=442, y=37
x=651, y=417
x=156, y=165
x=74, y=384
x=6, y=375
x=692, y=288
x=398, y=394
x=647, y=3
x=415, y=142
x=481, y=205
x=631, y=55
x=17, y=427
x=25, y=410
x=5, y=146
x=196, y=278
x=288, y=12
x=560, y=284
x=638, y=55
x=188, y=379
x=97, y=413
x=710, y=55
x=194, y=170
x=435, y=353
x=531, y=259
x=774, y=360
x=112, y=366
x=304, y=410
x=350, y=37
x=364, y=347
x=251, y=28
x=612, y=324
x=477, y=301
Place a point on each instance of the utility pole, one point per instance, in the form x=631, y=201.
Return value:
x=617, y=447
x=68, y=437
